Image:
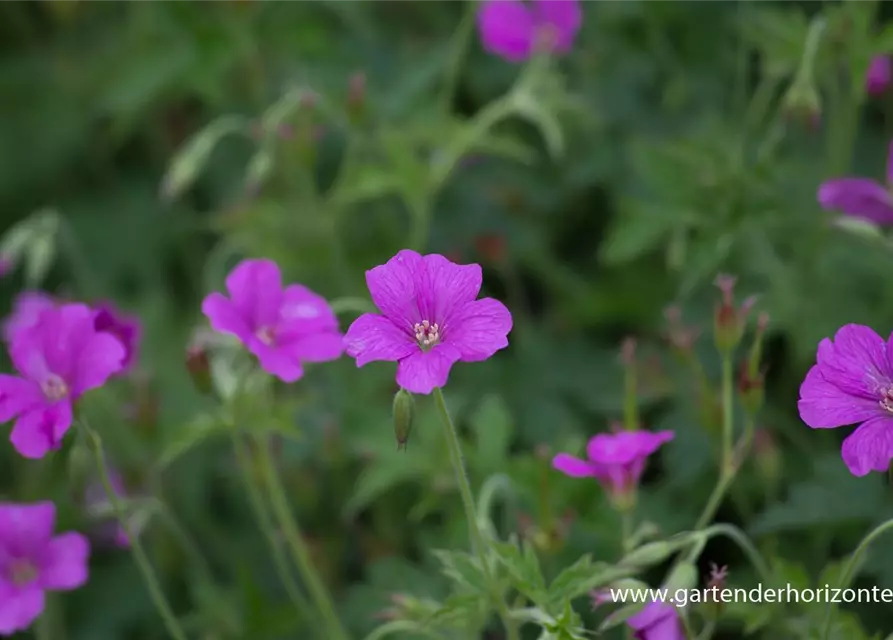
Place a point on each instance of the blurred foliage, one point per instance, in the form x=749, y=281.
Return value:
x=160, y=142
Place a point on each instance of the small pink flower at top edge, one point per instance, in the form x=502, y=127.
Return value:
x=852, y=383
x=862, y=198
x=430, y=319
x=282, y=326
x=657, y=621
x=58, y=359
x=513, y=29
x=35, y=561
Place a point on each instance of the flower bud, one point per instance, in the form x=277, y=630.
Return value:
x=199, y=367
x=802, y=104
x=716, y=582
x=750, y=390
x=404, y=413
x=654, y=552
x=193, y=156
x=684, y=576
x=729, y=321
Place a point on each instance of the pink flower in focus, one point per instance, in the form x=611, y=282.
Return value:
x=430, y=319
x=860, y=197
x=616, y=460
x=58, y=358
x=33, y=561
x=879, y=76
x=283, y=327
x=657, y=621
x=26, y=310
x=512, y=29
x=125, y=328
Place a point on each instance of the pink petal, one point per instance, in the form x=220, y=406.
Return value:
x=101, y=356
x=395, y=288
x=39, y=431
x=506, y=28
x=224, y=317
x=565, y=16
x=304, y=312
x=651, y=615
x=256, y=290
x=17, y=395
x=870, y=447
x=318, y=347
x=27, y=309
x=880, y=73
x=64, y=566
x=373, y=337
x=448, y=287
x=571, y=466
x=479, y=329
x=857, y=197
x=857, y=362
x=424, y=371
x=276, y=361
x=25, y=528
x=823, y=405
x=19, y=608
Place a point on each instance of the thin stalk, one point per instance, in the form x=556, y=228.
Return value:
x=136, y=547
x=478, y=543
x=300, y=553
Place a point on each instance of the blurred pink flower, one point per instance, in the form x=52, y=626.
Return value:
x=512, y=29
x=860, y=197
x=879, y=75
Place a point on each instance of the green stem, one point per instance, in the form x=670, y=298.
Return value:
x=136, y=547
x=849, y=569
x=707, y=630
x=736, y=535
x=398, y=626
x=265, y=522
x=477, y=539
x=728, y=408
x=186, y=542
x=626, y=528
x=458, y=54
x=300, y=553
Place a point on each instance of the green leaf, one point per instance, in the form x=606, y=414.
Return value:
x=621, y=615
x=189, y=437
x=523, y=568
x=580, y=578
x=638, y=228
x=464, y=570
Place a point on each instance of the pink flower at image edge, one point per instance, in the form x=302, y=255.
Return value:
x=860, y=197
x=33, y=561
x=430, y=319
x=879, y=75
x=852, y=383
x=511, y=28
x=282, y=327
x=59, y=358
x=657, y=621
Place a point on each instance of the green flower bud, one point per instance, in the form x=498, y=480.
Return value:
x=684, y=576
x=654, y=552
x=199, y=368
x=404, y=413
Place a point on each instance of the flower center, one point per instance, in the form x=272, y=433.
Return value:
x=266, y=335
x=886, y=400
x=22, y=573
x=54, y=388
x=427, y=334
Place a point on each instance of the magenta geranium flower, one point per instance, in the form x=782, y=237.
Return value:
x=283, y=327
x=33, y=561
x=852, y=383
x=430, y=319
x=26, y=309
x=58, y=358
x=880, y=73
x=616, y=460
x=125, y=328
x=860, y=197
x=657, y=621
x=512, y=29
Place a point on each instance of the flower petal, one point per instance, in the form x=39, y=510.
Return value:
x=572, y=466
x=276, y=361
x=25, y=528
x=424, y=371
x=373, y=337
x=17, y=395
x=27, y=308
x=255, y=287
x=19, y=608
x=857, y=197
x=100, y=357
x=317, y=347
x=54, y=343
x=651, y=615
x=304, y=312
x=447, y=288
x=565, y=16
x=40, y=430
x=479, y=329
x=823, y=405
x=395, y=288
x=506, y=28
x=870, y=447
x=879, y=75
x=64, y=566
x=224, y=317
x=857, y=362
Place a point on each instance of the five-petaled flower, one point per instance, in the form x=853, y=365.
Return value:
x=33, y=561
x=852, y=382
x=616, y=460
x=125, y=328
x=58, y=358
x=513, y=29
x=657, y=621
x=430, y=319
x=860, y=197
x=283, y=327
x=879, y=75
